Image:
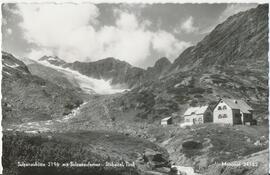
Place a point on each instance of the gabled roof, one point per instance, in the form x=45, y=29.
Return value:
x=238, y=104
x=196, y=110
x=165, y=119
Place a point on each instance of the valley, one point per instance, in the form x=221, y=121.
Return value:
x=111, y=137
x=219, y=143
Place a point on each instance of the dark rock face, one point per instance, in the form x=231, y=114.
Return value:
x=160, y=68
x=28, y=97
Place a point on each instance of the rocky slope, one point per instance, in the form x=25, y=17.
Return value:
x=241, y=42
x=28, y=97
x=202, y=146
x=52, y=75
x=160, y=68
x=254, y=164
x=229, y=62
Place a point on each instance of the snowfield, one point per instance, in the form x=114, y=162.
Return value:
x=88, y=84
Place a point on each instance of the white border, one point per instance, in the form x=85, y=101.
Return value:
x=125, y=1
x=136, y=1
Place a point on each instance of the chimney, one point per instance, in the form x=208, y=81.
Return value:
x=235, y=101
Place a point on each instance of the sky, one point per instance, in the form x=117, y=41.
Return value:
x=139, y=34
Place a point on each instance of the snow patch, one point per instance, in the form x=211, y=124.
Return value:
x=177, y=85
x=86, y=83
x=31, y=132
x=6, y=72
x=73, y=113
x=12, y=66
x=51, y=59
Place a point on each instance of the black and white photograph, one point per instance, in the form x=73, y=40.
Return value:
x=93, y=88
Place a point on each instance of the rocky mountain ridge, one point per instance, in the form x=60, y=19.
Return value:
x=238, y=43
x=28, y=97
x=118, y=72
x=53, y=60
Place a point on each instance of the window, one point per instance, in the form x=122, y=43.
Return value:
x=219, y=107
x=220, y=116
x=224, y=107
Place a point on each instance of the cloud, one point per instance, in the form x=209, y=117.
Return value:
x=166, y=43
x=128, y=40
x=127, y=21
x=187, y=26
x=73, y=32
x=38, y=53
x=49, y=25
x=230, y=10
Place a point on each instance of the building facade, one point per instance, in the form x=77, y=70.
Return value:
x=232, y=111
x=198, y=115
x=166, y=121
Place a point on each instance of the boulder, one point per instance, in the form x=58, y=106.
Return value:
x=191, y=144
x=154, y=159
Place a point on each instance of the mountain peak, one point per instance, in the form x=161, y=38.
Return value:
x=163, y=61
x=55, y=60
x=112, y=60
x=159, y=69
